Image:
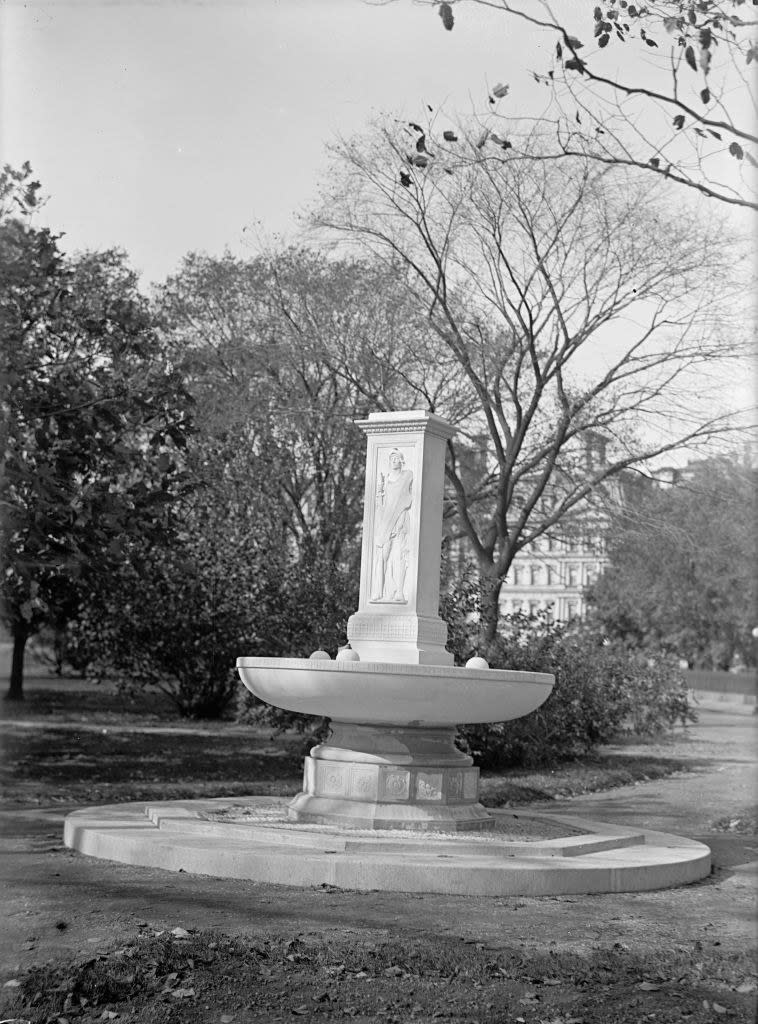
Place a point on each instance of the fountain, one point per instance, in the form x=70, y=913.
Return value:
x=394, y=697
x=388, y=801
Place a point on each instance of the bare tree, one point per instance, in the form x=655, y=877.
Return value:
x=577, y=311
x=665, y=85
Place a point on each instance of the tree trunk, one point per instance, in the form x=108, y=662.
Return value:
x=16, y=688
x=490, y=614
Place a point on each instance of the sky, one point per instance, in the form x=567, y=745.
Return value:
x=168, y=126
x=165, y=126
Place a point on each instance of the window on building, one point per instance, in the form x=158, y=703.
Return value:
x=534, y=607
x=553, y=576
x=535, y=575
x=518, y=575
x=573, y=575
x=572, y=609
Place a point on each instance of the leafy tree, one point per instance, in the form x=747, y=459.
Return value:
x=682, y=568
x=577, y=312
x=92, y=418
x=667, y=86
x=265, y=546
x=281, y=352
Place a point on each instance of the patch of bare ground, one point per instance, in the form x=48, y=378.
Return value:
x=179, y=976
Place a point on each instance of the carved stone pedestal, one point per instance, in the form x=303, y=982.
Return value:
x=390, y=777
x=398, y=606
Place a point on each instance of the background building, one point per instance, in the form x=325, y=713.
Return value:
x=550, y=575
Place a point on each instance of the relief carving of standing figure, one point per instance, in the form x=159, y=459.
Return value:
x=392, y=531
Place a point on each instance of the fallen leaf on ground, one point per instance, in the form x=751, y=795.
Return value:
x=718, y=1008
x=648, y=986
x=300, y=1010
x=747, y=986
x=183, y=993
x=180, y=933
x=13, y=983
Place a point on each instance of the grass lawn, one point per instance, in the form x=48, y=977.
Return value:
x=73, y=744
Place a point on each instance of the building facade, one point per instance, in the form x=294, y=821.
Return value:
x=551, y=574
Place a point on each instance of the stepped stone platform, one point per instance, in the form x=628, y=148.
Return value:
x=524, y=852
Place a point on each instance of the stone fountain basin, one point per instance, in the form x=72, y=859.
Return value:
x=390, y=693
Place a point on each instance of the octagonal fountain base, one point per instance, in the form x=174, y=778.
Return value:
x=537, y=853
x=390, y=777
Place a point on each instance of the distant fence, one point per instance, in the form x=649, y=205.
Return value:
x=742, y=684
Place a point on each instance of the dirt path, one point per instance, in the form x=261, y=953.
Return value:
x=723, y=787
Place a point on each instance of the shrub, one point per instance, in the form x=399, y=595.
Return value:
x=601, y=691
x=179, y=620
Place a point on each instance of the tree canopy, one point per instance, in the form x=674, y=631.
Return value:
x=682, y=567
x=285, y=350
x=92, y=418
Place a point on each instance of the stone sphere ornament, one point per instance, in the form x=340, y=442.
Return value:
x=348, y=654
x=320, y=656
x=477, y=662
